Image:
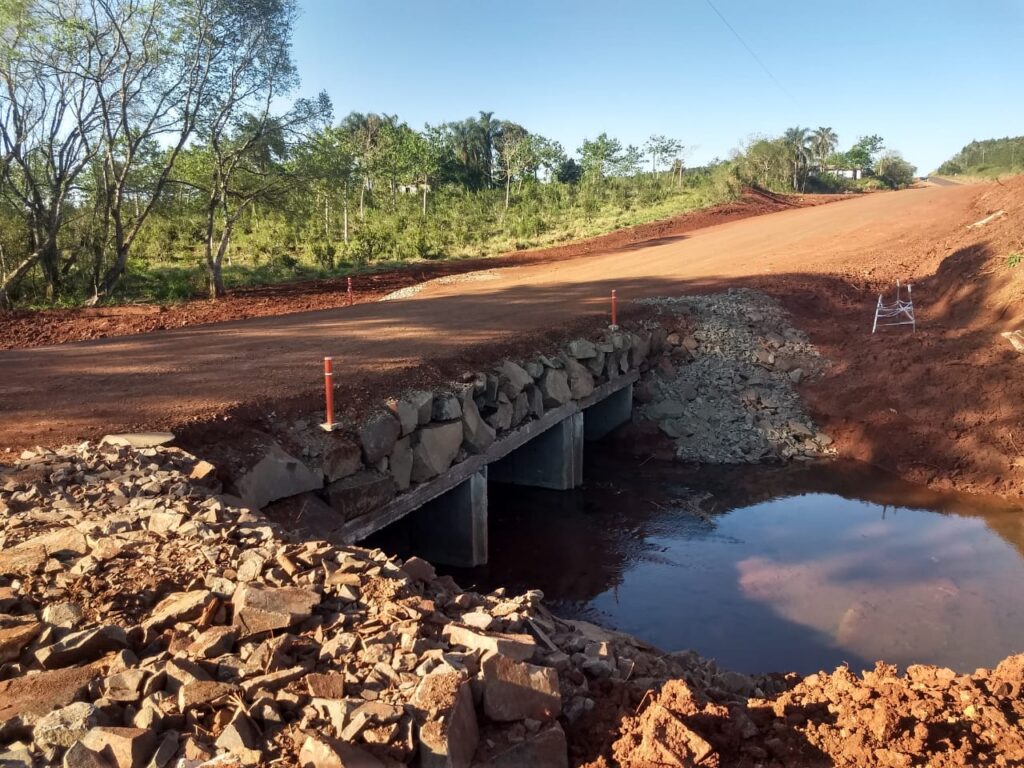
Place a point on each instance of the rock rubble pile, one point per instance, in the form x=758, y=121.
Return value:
x=146, y=622
x=726, y=393
x=928, y=717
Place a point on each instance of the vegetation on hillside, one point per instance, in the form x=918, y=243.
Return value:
x=987, y=159
x=146, y=154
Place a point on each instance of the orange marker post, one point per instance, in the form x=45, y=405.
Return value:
x=350, y=291
x=615, y=313
x=329, y=393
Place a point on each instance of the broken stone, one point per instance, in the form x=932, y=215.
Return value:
x=517, y=647
x=86, y=645
x=27, y=697
x=64, y=726
x=407, y=414
x=276, y=475
x=518, y=378
x=14, y=638
x=400, y=463
x=238, y=735
x=435, y=449
x=343, y=457
x=180, y=606
x=199, y=693
x=581, y=349
x=477, y=434
x=139, y=439
x=516, y=691
x=121, y=747
x=581, y=381
x=554, y=387
x=546, y=749
x=260, y=609
x=213, y=642
x=80, y=756
x=378, y=436
x=446, y=407
x=320, y=751
x=363, y=492
x=326, y=686
x=449, y=732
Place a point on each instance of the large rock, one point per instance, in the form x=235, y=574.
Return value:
x=407, y=413
x=477, y=434
x=423, y=402
x=87, y=645
x=546, y=749
x=14, y=638
x=400, y=463
x=449, y=732
x=343, y=457
x=378, y=436
x=517, y=377
x=554, y=386
x=581, y=381
x=30, y=556
x=24, y=699
x=122, y=747
x=363, y=492
x=275, y=476
x=435, y=449
x=261, y=609
x=139, y=439
x=582, y=349
x=501, y=418
x=320, y=751
x=518, y=647
x=446, y=407
x=180, y=606
x=515, y=690
x=64, y=726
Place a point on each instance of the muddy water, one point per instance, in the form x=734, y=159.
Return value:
x=767, y=569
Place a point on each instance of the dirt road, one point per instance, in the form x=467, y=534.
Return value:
x=843, y=251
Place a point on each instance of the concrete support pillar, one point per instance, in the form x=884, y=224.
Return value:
x=452, y=529
x=553, y=459
x=608, y=414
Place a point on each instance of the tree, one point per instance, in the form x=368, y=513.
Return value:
x=516, y=154
x=48, y=119
x=599, y=156
x=862, y=154
x=797, y=144
x=661, y=148
x=823, y=144
x=894, y=170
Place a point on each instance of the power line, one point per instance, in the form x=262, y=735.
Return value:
x=750, y=50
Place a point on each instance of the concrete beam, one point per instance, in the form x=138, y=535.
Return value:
x=553, y=459
x=452, y=529
x=608, y=414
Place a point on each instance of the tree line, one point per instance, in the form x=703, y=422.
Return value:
x=148, y=144
x=804, y=160
x=988, y=157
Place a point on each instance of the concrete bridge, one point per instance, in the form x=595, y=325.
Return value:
x=448, y=515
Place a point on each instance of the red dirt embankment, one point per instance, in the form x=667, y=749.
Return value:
x=26, y=329
x=942, y=406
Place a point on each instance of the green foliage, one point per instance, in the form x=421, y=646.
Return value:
x=896, y=172
x=1014, y=259
x=990, y=158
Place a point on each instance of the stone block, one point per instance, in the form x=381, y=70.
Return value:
x=516, y=690
x=260, y=609
x=276, y=475
x=363, y=492
x=378, y=435
x=343, y=457
x=477, y=434
x=554, y=386
x=435, y=448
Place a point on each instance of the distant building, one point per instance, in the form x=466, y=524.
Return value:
x=846, y=173
x=411, y=189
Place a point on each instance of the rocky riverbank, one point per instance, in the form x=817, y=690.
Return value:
x=726, y=391
x=145, y=621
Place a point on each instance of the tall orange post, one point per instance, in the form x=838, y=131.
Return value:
x=615, y=309
x=350, y=291
x=329, y=392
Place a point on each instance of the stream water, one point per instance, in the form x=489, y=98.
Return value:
x=768, y=568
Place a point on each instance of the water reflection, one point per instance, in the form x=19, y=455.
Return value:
x=797, y=568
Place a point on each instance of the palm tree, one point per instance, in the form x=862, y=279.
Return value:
x=796, y=141
x=823, y=141
x=488, y=128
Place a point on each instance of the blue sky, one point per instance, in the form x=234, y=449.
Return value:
x=927, y=76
